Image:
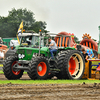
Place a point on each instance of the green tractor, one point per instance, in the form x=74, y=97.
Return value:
x=33, y=56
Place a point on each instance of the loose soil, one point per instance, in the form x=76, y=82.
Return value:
x=48, y=91
x=25, y=76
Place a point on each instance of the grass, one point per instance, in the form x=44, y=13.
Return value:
x=1, y=72
x=48, y=81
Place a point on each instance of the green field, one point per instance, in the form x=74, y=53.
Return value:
x=48, y=81
x=52, y=81
x=1, y=72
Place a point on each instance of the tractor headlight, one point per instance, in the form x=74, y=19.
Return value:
x=21, y=56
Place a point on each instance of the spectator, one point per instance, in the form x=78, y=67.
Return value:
x=84, y=54
x=90, y=53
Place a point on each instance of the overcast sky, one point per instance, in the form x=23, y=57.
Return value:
x=72, y=16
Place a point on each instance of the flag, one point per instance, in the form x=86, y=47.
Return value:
x=21, y=27
x=20, y=31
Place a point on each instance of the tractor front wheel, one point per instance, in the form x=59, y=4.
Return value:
x=38, y=68
x=8, y=70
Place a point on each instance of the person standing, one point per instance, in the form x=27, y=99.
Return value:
x=87, y=61
x=85, y=54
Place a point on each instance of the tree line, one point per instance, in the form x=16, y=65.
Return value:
x=9, y=25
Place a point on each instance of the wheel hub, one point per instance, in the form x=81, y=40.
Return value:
x=15, y=67
x=39, y=68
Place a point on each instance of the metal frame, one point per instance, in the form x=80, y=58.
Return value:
x=60, y=35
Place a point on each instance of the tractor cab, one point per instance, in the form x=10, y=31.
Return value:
x=26, y=40
x=30, y=40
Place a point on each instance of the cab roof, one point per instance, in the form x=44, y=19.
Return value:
x=28, y=34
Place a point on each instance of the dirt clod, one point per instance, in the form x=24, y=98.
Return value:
x=94, y=85
x=83, y=83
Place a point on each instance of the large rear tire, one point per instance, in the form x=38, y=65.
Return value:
x=38, y=68
x=60, y=58
x=72, y=64
x=8, y=70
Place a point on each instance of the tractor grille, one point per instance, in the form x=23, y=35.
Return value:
x=21, y=51
x=29, y=51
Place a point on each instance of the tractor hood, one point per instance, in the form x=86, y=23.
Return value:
x=26, y=53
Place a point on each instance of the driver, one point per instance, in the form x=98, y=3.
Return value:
x=52, y=47
x=29, y=41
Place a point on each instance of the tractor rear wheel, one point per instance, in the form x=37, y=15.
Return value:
x=38, y=68
x=60, y=58
x=72, y=64
x=8, y=70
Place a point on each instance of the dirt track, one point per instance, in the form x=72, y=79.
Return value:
x=48, y=91
x=25, y=76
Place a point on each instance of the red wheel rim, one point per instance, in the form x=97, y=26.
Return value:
x=15, y=72
x=72, y=66
x=41, y=69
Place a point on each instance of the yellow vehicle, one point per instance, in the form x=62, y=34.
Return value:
x=91, y=71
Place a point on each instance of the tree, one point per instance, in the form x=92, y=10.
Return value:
x=22, y=15
x=9, y=25
x=39, y=25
